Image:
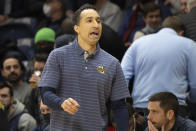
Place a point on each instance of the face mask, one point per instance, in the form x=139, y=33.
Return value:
x=46, y=50
x=47, y=118
x=47, y=10
x=152, y=30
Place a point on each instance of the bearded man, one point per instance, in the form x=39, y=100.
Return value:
x=12, y=69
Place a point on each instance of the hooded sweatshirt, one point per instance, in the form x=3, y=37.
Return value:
x=26, y=121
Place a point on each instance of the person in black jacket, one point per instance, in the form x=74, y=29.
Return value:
x=4, y=126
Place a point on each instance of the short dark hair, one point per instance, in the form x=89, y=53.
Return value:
x=5, y=85
x=151, y=7
x=15, y=56
x=77, y=14
x=168, y=101
x=173, y=22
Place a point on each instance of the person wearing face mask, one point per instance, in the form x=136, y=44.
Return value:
x=54, y=10
x=45, y=125
x=44, y=40
x=152, y=18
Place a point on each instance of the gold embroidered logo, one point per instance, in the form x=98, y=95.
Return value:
x=101, y=69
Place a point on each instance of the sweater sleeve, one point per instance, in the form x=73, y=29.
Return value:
x=121, y=116
x=49, y=97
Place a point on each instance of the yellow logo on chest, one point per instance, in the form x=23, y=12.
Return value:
x=101, y=69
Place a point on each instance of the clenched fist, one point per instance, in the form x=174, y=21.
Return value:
x=70, y=105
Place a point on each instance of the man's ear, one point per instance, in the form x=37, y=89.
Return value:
x=76, y=29
x=170, y=114
x=2, y=72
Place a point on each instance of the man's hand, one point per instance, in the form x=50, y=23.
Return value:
x=34, y=80
x=151, y=127
x=70, y=105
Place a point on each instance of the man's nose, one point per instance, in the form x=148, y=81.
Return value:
x=12, y=69
x=95, y=23
x=149, y=116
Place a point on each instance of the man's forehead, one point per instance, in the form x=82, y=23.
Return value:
x=89, y=13
x=11, y=60
x=4, y=90
x=154, y=105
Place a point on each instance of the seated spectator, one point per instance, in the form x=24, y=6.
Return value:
x=44, y=40
x=133, y=21
x=163, y=114
x=12, y=70
x=152, y=17
x=183, y=6
x=54, y=10
x=18, y=117
x=45, y=111
x=35, y=97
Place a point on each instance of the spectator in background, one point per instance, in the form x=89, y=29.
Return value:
x=111, y=42
x=110, y=13
x=54, y=10
x=18, y=117
x=163, y=114
x=174, y=5
x=152, y=17
x=34, y=104
x=45, y=111
x=12, y=69
x=183, y=6
x=163, y=61
x=133, y=20
x=44, y=40
x=189, y=20
x=66, y=34
x=67, y=27
x=35, y=9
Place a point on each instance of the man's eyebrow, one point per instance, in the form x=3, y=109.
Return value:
x=90, y=17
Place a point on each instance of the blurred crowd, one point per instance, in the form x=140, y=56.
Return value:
x=31, y=29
